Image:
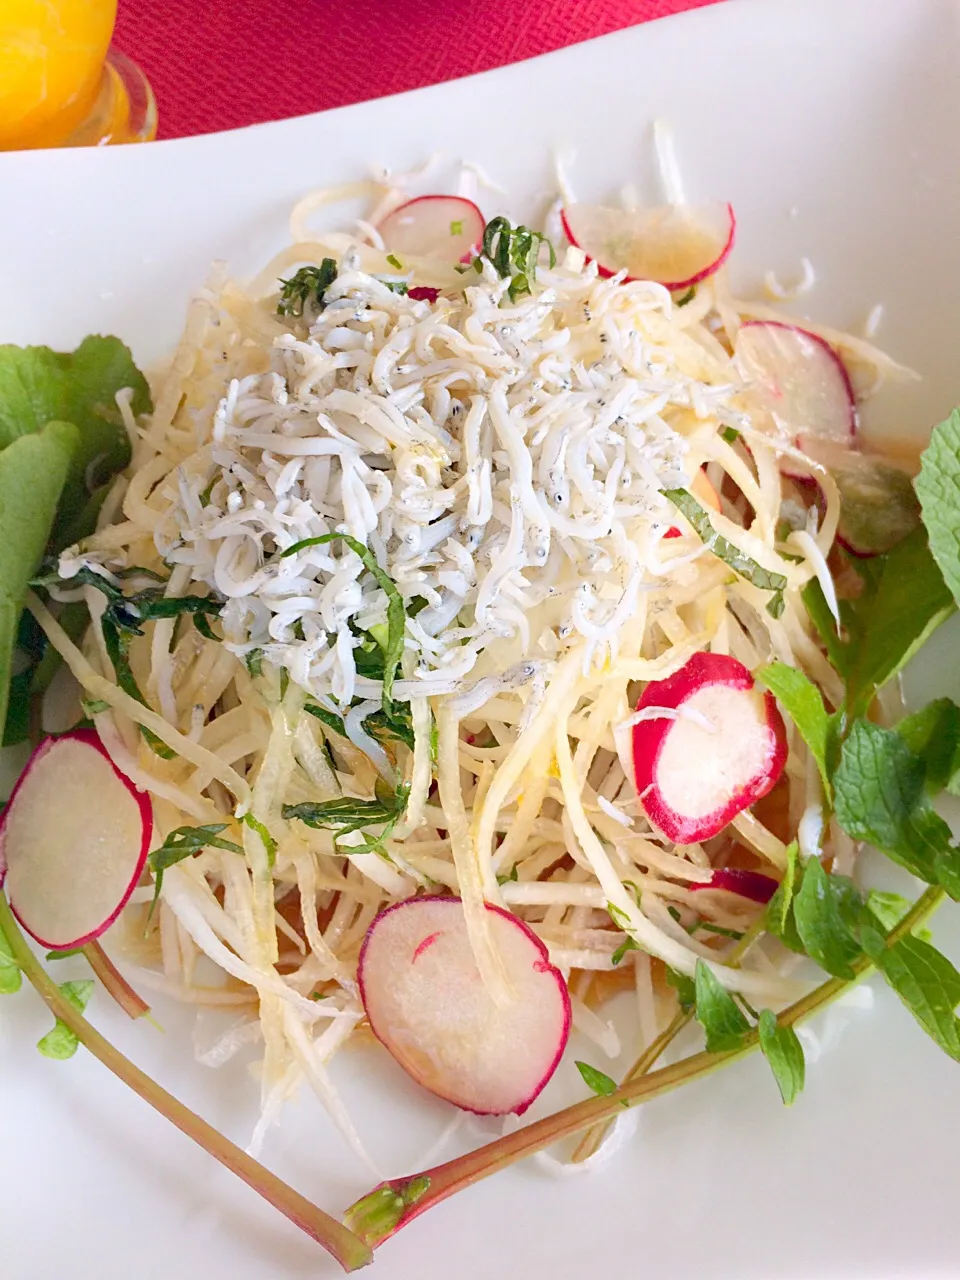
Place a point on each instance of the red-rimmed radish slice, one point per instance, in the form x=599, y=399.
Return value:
x=724, y=750
x=705, y=493
x=747, y=884
x=446, y=227
x=797, y=377
x=426, y=1002
x=73, y=841
x=878, y=504
x=675, y=245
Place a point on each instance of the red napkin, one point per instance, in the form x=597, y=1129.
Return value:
x=217, y=65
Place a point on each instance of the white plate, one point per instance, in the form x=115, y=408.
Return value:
x=832, y=125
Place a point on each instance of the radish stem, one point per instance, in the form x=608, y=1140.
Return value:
x=348, y=1250
x=591, y=1140
x=589, y=1144
x=371, y=1218
x=115, y=983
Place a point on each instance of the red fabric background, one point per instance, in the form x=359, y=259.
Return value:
x=218, y=64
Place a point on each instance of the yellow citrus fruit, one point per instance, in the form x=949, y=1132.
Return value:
x=51, y=58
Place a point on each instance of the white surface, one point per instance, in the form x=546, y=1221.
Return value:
x=832, y=125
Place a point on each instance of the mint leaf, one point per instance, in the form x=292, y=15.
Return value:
x=10, y=978
x=928, y=985
x=947, y=868
x=598, y=1081
x=801, y=700
x=938, y=488
x=61, y=1043
x=717, y=1012
x=820, y=615
x=684, y=987
x=903, y=602
x=879, y=797
x=889, y=909
x=824, y=909
x=782, y=1049
x=933, y=733
x=779, y=918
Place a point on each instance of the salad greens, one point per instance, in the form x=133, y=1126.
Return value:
x=62, y=440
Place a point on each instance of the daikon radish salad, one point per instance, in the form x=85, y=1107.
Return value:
x=474, y=623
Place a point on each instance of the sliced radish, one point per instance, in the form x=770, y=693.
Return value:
x=445, y=227
x=748, y=884
x=423, y=293
x=878, y=504
x=426, y=1002
x=674, y=244
x=705, y=493
x=725, y=750
x=799, y=379
x=73, y=841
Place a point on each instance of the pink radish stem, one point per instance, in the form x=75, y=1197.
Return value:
x=382, y=1212
x=348, y=1250
x=589, y=1144
x=114, y=982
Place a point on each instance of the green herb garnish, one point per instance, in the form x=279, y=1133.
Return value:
x=742, y=564
x=183, y=843
x=306, y=289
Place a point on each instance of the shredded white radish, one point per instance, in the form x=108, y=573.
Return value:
x=444, y=568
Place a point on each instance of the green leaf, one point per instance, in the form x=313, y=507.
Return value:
x=306, y=288
x=685, y=988
x=747, y=568
x=889, y=909
x=825, y=908
x=947, y=868
x=254, y=661
x=396, y=615
x=117, y=644
x=600, y=1083
x=938, y=488
x=183, y=843
x=903, y=602
x=928, y=985
x=933, y=733
x=779, y=917
x=33, y=472
x=61, y=1043
x=10, y=978
x=879, y=797
x=717, y=1012
x=39, y=386
x=329, y=718
x=345, y=814
x=782, y=1049
x=618, y=916
x=803, y=703
x=626, y=945
x=269, y=844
